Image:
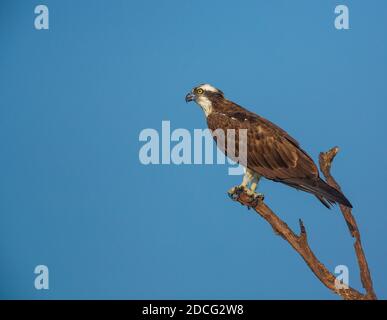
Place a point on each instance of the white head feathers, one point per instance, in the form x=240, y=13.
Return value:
x=208, y=87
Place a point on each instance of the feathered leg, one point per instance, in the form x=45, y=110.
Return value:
x=255, y=181
x=249, y=184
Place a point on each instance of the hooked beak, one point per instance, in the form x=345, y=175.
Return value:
x=189, y=97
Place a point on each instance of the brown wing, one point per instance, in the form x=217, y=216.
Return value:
x=271, y=152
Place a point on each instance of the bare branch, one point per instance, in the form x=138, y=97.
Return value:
x=300, y=242
x=326, y=159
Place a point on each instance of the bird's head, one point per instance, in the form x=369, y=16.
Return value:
x=204, y=95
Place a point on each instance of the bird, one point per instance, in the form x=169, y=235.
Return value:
x=271, y=152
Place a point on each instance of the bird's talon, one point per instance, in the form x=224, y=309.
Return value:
x=235, y=192
x=255, y=198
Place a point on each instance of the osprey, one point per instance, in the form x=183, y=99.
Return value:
x=271, y=152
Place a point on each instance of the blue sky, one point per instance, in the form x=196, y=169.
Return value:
x=74, y=98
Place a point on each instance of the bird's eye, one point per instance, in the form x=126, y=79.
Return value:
x=199, y=91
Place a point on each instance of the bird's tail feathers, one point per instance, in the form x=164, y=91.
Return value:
x=327, y=194
x=323, y=191
x=327, y=203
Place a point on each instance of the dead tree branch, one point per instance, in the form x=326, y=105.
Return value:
x=299, y=242
x=325, y=160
